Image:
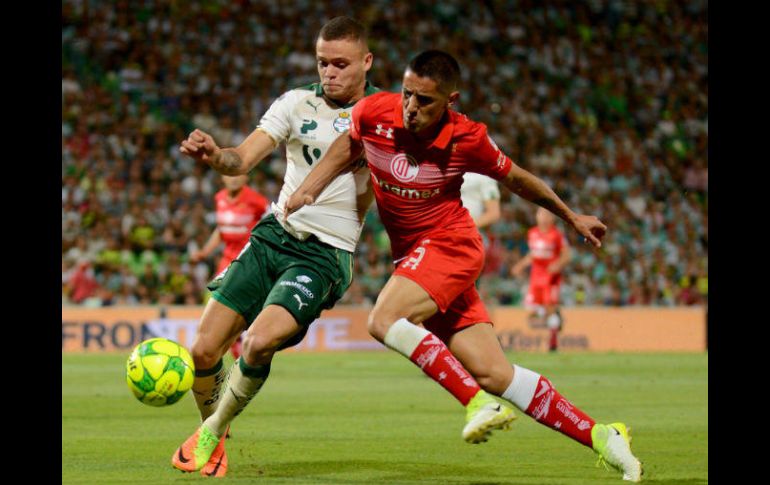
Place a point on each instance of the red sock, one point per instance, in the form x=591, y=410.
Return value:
x=435, y=359
x=554, y=343
x=551, y=409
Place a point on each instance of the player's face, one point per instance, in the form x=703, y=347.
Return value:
x=235, y=182
x=342, y=66
x=424, y=103
x=544, y=218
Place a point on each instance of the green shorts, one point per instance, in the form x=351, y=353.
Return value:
x=275, y=268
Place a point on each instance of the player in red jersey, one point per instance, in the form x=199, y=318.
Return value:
x=549, y=253
x=429, y=311
x=238, y=210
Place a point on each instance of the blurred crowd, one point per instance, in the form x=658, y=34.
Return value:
x=605, y=100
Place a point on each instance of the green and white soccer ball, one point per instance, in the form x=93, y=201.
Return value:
x=159, y=372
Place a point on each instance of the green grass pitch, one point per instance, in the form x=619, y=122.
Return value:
x=349, y=418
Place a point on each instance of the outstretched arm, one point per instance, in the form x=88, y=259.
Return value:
x=341, y=154
x=211, y=244
x=526, y=185
x=228, y=161
x=522, y=264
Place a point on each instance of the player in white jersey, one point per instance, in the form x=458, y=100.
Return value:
x=481, y=196
x=290, y=270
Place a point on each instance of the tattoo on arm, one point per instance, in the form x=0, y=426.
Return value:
x=229, y=163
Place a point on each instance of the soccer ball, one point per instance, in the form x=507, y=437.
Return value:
x=159, y=372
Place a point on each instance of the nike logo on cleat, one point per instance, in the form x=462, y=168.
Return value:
x=498, y=408
x=616, y=431
x=181, y=456
x=216, y=468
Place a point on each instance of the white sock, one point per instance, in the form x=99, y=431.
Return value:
x=404, y=336
x=206, y=388
x=553, y=320
x=244, y=383
x=522, y=387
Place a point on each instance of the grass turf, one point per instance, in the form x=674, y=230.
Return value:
x=348, y=418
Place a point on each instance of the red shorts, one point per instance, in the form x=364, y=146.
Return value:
x=446, y=265
x=546, y=294
x=223, y=263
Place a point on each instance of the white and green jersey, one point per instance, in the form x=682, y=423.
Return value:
x=308, y=124
x=476, y=190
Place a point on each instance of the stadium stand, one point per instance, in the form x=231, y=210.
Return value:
x=606, y=100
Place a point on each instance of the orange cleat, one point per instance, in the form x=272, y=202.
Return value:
x=196, y=451
x=217, y=464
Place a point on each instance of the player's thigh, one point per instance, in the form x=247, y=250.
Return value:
x=401, y=297
x=298, y=297
x=246, y=282
x=551, y=295
x=479, y=350
x=218, y=329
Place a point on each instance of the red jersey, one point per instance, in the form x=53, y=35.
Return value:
x=236, y=218
x=545, y=248
x=417, y=183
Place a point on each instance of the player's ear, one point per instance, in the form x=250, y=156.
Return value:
x=368, y=59
x=453, y=97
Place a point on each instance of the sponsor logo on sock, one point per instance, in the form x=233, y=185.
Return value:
x=457, y=367
x=583, y=425
x=543, y=388
x=431, y=340
x=304, y=279
x=566, y=410
x=541, y=410
x=428, y=357
x=237, y=398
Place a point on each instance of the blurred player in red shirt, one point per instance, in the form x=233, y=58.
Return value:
x=549, y=253
x=418, y=149
x=238, y=210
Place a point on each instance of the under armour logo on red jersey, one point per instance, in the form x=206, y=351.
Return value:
x=380, y=131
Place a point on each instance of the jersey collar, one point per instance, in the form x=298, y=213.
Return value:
x=368, y=89
x=444, y=135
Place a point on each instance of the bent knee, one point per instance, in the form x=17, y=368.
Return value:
x=494, y=380
x=379, y=323
x=205, y=356
x=259, y=347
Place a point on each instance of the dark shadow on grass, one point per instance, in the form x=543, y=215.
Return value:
x=676, y=481
x=373, y=471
